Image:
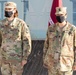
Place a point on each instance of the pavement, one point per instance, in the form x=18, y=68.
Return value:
x=35, y=61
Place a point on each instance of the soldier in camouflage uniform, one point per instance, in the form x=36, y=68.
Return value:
x=0, y=39
x=60, y=46
x=0, y=51
x=16, y=41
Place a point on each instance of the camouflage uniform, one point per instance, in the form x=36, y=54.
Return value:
x=16, y=45
x=0, y=51
x=0, y=39
x=58, y=49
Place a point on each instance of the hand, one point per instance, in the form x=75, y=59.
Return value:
x=23, y=62
x=74, y=68
x=44, y=65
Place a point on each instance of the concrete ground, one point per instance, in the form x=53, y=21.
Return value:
x=34, y=65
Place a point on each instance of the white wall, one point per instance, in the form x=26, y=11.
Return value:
x=69, y=5
x=38, y=15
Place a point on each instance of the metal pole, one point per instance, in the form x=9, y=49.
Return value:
x=2, y=8
x=25, y=5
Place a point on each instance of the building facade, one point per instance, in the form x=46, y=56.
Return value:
x=36, y=14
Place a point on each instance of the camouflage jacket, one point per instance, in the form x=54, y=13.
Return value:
x=0, y=39
x=0, y=46
x=16, y=40
x=59, y=46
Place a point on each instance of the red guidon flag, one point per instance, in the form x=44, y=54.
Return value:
x=52, y=19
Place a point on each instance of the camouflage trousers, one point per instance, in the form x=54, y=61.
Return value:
x=8, y=69
x=56, y=72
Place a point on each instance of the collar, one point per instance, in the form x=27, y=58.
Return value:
x=65, y=28
x=12, y=23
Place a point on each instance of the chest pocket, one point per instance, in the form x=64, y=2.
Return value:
x=55, y=36
x=69, y=38
x=52, y=35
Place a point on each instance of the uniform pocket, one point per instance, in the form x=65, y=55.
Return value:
x=52, y=34
x=5, y=69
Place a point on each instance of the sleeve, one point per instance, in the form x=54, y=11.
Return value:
x=0, y=48
x=26, y=41
x=0, y=39
x=46, y=45
x=75, y=47
x=0, y=34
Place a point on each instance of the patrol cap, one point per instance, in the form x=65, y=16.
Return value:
x=10, y=5
x=61, y=10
